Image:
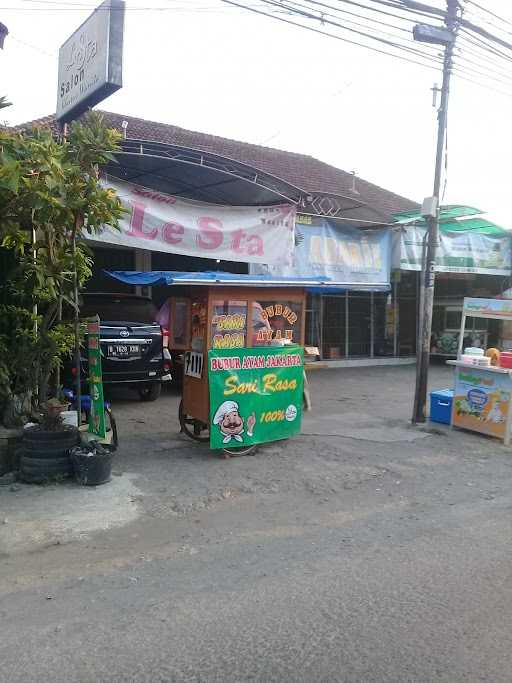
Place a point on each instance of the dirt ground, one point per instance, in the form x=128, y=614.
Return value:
x=164, y=483
x=366, y=545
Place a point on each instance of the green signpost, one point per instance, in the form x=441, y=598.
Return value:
x=97, y=414
x=255, y=395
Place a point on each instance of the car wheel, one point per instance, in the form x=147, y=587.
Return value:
x=150, y=393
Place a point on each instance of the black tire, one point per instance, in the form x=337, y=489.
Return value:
x=242, y=450
x=48, y=445
x=41, y=470
x=151, y=392
x=192, y=427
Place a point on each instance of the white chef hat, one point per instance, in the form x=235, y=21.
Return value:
x=223, y=410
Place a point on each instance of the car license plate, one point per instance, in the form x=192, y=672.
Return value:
x=123, y=350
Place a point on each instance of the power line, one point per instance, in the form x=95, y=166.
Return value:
x=377, y=9
x=472, y=70
x=460, y=76
x=485, y=34
x=33, y=47
x=411, y=45
x=492, y=67
x=65, y=7
x=479, y=19
x=488, y=11
x=324, y=20
x=363, y=16
x=476, y=40
x=326, y=33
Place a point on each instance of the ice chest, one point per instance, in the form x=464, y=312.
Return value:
x=441, y=406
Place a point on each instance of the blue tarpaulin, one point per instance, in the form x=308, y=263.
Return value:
x=171, y=277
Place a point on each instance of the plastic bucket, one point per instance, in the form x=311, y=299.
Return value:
x=91, y=469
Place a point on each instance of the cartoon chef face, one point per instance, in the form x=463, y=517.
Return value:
x=230, y=422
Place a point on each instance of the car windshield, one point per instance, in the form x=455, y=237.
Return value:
x=118, y=309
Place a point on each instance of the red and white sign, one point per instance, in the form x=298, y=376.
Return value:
x=161, y=222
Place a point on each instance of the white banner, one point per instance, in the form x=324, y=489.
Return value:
x=458, y=252
x=161, y=222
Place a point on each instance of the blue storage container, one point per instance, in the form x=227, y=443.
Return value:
x=441, y=406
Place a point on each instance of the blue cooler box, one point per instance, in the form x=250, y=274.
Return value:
x=441, y=406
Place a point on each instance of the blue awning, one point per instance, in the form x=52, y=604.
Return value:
x=171, y=277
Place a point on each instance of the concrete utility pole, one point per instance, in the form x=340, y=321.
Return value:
x=430, y=208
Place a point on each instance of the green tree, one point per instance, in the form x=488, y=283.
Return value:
x=50, y=192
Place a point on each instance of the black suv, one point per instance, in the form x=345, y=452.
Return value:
x=131, y=342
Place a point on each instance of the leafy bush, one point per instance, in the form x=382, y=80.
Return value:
x=50, y=193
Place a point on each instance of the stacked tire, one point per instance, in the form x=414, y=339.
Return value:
x=46, y=456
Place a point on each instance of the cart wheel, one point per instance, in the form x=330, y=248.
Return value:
x=192, y=427
x=235, y=452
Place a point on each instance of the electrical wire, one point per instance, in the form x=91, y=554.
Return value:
x=56, y=6
x=308, y=15
x=479, y=50
x=33, y=47
x=460, y=71
x=488, y=11
x=410, y=44
x=326, y=33
x=462, y=58
x=378, y=9
x=476, y=72
x=479, y=19
x=476, y=40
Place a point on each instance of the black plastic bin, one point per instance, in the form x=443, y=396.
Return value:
x=92, y=464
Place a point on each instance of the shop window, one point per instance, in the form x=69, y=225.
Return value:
x=199, y=316
x=179, y=323
x=274, y=320
x=229, y=324
x=359, y=324
x=453, y=319
x=480, y=324
x=334, y=327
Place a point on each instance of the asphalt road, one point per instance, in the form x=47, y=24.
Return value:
x=376, y=560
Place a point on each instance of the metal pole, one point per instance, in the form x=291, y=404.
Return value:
x=395, y=319
x=423, y=346
x=372, y=326
x=346, y=326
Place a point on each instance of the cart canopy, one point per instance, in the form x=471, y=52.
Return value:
x=171, y=277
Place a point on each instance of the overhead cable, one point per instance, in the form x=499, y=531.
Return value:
x=326, y=33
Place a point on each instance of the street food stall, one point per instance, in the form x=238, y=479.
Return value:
x=483, y=377
x=243, y=343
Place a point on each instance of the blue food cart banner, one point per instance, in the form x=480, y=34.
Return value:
x=255, y=395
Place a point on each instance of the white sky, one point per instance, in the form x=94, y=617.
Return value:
x=254, y=79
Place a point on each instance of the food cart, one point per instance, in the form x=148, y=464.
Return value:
x=482, y=395
x=242, y=337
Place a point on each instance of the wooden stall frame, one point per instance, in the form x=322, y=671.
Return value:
x=196, y=401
